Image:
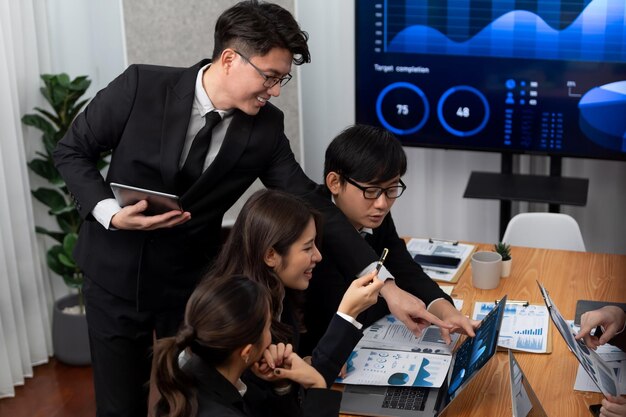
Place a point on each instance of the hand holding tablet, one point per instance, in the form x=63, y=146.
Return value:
x=158, y=202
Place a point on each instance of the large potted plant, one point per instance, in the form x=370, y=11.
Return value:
x=69, y=326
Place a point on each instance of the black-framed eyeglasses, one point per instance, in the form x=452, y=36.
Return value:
x=270, y=81
x=372, y=193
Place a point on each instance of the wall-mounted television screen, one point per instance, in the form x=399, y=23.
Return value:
x=515, y=76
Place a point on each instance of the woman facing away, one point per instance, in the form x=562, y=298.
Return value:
x=227, y=329
x=274, y=242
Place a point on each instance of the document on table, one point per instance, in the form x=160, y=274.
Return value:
x=390, y=354
x=459, y=250
x=394, y=367
x=614, y=358
x=523, y=328
x=390, y=333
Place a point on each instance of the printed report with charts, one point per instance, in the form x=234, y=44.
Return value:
x=389, y=354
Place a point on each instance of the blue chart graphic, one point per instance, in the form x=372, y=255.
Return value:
x=399, y=378
x=599, y=120
x=421, y=380
x=536, y=332
x=485, y=308
x=534, y=343
x=558, y=29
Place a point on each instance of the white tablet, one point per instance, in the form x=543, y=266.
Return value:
x=158, y=202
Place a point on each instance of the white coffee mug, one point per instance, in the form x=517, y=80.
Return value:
x=486, y=270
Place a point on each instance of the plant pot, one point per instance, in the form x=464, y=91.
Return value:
x=506, y=268
x=70, y=338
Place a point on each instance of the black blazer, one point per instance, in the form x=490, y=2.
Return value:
x=332, y=349
x=217, y=397
x=143, y=117
x=331, y=279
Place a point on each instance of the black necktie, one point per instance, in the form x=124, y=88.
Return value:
x=192, y=169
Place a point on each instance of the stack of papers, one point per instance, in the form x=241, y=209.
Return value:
x=389, y=354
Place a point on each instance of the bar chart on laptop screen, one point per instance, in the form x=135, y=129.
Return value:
x=520, y=75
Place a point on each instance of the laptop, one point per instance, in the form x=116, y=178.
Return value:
x=523, y=399
x=467, y=361
x=601, y=374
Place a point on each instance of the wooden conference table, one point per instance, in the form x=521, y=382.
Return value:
x=568, y=277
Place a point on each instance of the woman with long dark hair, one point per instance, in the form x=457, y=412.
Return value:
x=226, y=329
x=274, y=242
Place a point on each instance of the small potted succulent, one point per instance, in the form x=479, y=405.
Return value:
x=505, y=251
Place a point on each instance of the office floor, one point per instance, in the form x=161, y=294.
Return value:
x=56, y=390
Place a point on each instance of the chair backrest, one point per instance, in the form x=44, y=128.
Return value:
x=544, y=230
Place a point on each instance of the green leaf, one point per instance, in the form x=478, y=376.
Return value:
x=74, y=280
x=67, y=261
x=69, y=221
x=45, y=92
x=59, y=95
x=80, y=84
x=49, y=197
x=62, y=210
x=76, y=109
x=45, y=169
x=52, y=259
x=58, y=236
x=49, y=115
x=63, y=80
x=69, y=242
x=50, y=142
x=38, y=122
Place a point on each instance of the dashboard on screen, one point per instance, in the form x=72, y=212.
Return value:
x=541, y=77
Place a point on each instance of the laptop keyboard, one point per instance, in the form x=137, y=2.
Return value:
x=406, y=398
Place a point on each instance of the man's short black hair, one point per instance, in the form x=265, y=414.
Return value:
x=254, y=28
x=366, y=154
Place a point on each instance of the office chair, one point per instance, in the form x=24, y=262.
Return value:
x=544, y=230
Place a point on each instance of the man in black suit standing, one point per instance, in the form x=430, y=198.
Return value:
x=141, y=268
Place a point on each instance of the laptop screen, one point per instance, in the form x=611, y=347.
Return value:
x=474, y=353
x=523, y=399
x=601, y=374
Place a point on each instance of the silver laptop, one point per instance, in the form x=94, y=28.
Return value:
x=601, y=373
x=523, y=399
x=466, y=362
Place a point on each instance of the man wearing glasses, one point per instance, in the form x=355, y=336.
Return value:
x=205, y=133
x=362, y=170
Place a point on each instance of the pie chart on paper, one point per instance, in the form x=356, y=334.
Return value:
x=602, y=111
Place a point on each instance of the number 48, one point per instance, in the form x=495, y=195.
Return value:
x=463, y=112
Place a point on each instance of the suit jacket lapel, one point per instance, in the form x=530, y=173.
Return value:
x=177, y=111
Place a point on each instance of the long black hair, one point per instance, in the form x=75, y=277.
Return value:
x=222, y=315
x=270, y=219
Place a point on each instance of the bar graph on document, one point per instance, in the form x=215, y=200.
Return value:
x=524, y=328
